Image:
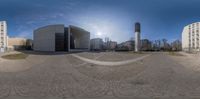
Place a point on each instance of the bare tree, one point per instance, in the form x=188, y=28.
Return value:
x=176, y=45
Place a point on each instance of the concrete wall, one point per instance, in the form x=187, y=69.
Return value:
x=44, y=38
x=185, y=39
x=81, y=37
x=137, y=41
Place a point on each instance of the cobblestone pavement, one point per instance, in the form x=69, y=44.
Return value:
x=65, y=77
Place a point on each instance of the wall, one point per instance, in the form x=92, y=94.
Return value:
x=96, y=44
x=16, y=43
x=81, y=37
x=185, y=39
x=44, y=38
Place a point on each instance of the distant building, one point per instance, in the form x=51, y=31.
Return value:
x=110, y=45
x=126, y=46
x=129, y=45
x=96, y=44
x=3, y=36
x=17, y=43
x=29, y=44
x=61, y=38
x=146, y=45
x=190, y=37
x=113, y=45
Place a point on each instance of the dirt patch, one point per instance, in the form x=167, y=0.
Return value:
x=15, y=62
x=17, y=56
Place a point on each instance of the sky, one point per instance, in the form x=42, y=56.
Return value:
x=102, y=18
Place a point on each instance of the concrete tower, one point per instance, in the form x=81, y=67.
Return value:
x=137, y=37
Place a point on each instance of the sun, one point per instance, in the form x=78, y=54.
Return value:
x=99, y=33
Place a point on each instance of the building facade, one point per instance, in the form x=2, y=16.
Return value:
x=110, y=45
x=18, y=44
x=61, y=38
x=96, y=44
x=190, y=37
x=146, y=45
x=126, y=46
x=3, y=36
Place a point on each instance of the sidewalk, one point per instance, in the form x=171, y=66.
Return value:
x=104, y=63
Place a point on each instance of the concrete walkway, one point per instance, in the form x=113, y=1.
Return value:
x=109, y=63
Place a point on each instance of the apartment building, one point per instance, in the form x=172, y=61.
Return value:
x=190, y=37
x=3, y=36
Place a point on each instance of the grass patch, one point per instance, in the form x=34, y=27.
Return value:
x=15, y=56
x=175, y=54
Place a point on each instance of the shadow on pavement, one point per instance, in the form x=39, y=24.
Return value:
x=47, y=53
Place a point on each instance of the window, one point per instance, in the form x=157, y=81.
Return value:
x=192, y=34
x=193, y=40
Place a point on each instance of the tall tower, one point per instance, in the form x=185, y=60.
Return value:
x=137, y=36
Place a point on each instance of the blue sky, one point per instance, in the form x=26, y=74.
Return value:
x=103, y=18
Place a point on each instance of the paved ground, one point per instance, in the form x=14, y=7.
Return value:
x=189, y=61
x=111, y=56
x=110, y=63
x=62, y=76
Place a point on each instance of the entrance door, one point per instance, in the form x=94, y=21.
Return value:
x=59, y=42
